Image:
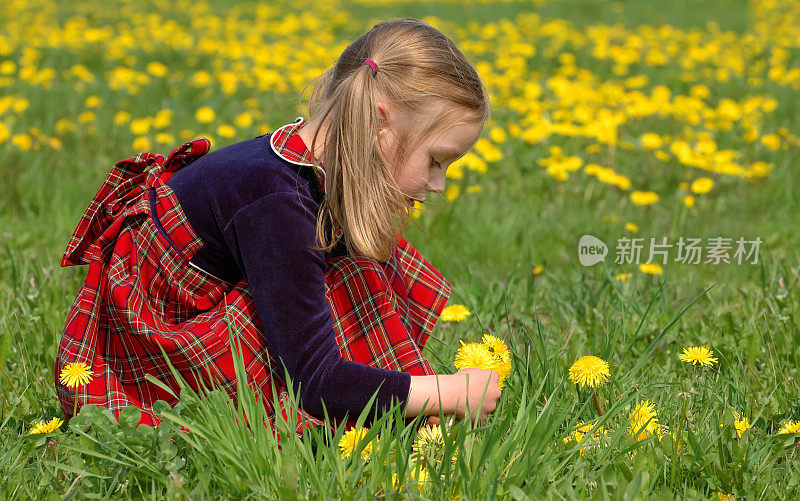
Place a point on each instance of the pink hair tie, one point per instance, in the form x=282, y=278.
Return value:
x=372, y=65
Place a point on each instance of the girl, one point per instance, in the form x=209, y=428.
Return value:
x=292, y=241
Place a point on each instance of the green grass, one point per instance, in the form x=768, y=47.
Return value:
x=486, y=245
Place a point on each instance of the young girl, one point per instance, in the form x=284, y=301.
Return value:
x=292, y=240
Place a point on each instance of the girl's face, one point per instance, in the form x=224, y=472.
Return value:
x=425, y=167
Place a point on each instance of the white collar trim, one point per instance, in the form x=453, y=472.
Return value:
x=297, y=121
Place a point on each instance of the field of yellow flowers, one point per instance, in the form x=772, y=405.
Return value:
x=666, y=131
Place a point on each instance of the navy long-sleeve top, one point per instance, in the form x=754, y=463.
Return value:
x=254, y=205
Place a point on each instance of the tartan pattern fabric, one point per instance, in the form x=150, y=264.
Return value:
x=141, y=295
x=287, y=144
x=290, y=146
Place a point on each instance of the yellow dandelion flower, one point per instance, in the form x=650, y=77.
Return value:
x=503, y=369
x=536, y=270
x=165, y=138
x=141, y=143
x=688, y=200
x=643, y=421
x=651, y=141
x=204, y=115
x=243, y=120
x=46, y=427
x=702, y=185
x=721, y=496
x=623, y=277
x=428, y=437
x=38, y=427
x=121, y=117
x=698, y=355
x=662, y=155
x=201, y=78
x=140, y=126
x=452, y=192
x=589, y=371
x=580, y=430
x=7, y=67
x=351, y=439
x=790, y=427
x=651, y=268
x=76, y=374
x=454, y=313
x=501, y=355
x=631, y=227
x=430, y=442
x=157, y=69
x=86, y=117
x=420, y=474
x=497, y=346
x=226, y=131
x=644, y=197
x=22, y=141
x=498, y=135
x=163, y=118
x=741, y=423
x=62, y=126
x=92, y=102
x=474, y=355
x=771, y=141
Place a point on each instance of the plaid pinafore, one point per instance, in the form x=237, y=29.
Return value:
x=140, y=294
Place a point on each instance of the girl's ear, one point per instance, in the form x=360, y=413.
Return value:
x=386, y=114
x=383, y=128
x=386, y=140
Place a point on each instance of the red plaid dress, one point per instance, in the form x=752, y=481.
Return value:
x=141, y=295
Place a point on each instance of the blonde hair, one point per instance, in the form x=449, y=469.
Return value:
x=417, y=66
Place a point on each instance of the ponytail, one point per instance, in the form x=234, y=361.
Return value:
x=417, y=65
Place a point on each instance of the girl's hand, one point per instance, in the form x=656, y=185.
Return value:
x=479, y=391
x=432, y=421
x=452, y=393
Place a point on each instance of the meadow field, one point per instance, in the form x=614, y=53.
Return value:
x=667, y=132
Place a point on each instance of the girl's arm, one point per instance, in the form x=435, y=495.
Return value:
x=423, y=395
x=271, y=239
